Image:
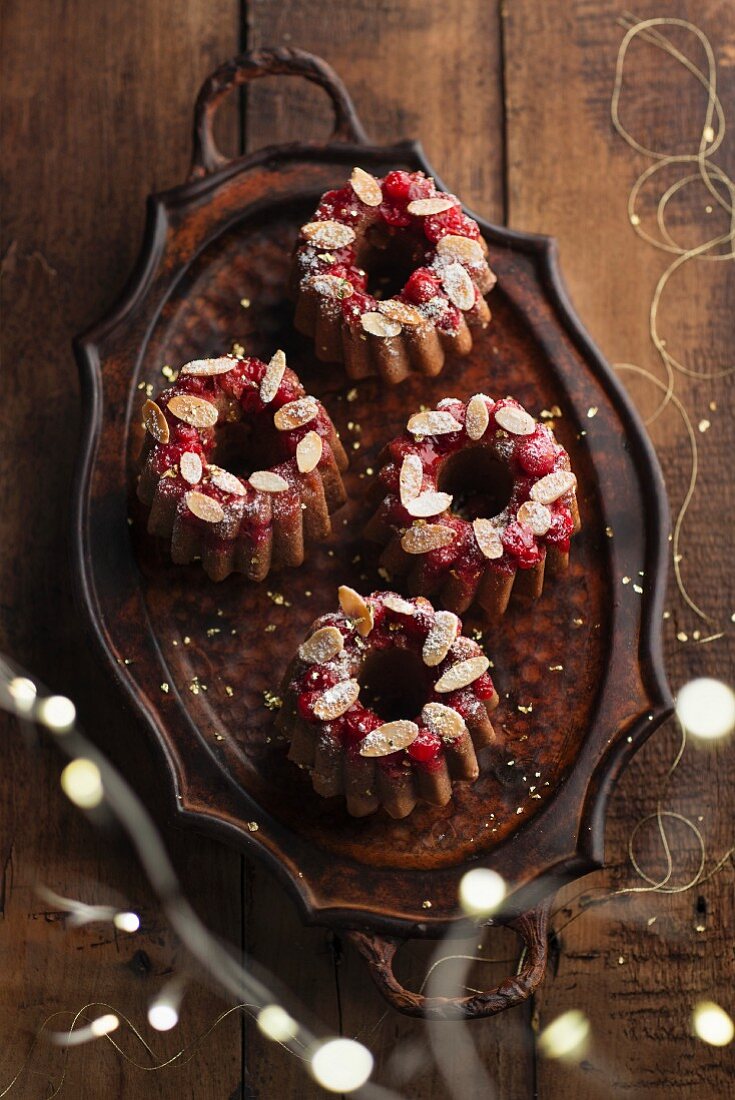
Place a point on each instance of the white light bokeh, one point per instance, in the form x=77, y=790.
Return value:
x=712, y=1024
x=706, y=708
x=103, y=1025
x=81, y=782
x=162, y=1016
x=126, y=922
x=23, y=693
x=566, y=1036
x=481, y=891
x=57, y=713
x=276, y=1023
x=341, y=1065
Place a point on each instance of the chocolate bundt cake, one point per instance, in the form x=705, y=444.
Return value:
x=389, y=277
x=477, y=500
x=239, y=413
x=386, y=703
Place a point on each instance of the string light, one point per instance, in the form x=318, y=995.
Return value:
x=712, y=1024
x=566, y=1036
x=57, y=713
x=23, y=693
x=103, y=1025
x=126, y=922
x=706, y=708
x=81, y=782
x=276, y=1023
x=481, y=891
x=341, y=1065
x=162, y=1016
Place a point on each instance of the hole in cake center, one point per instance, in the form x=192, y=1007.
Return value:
x=480, y=484
x=240, y=448
x=394, y=684
x=388, y=269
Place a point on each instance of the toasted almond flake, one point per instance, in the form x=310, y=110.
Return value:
x=514, y=420
x=328, y=234
x=190, y=465
x=155, y=422
x=272, y=378
x=204, y=507
x=356, y=608
x=296, y=413
x=443, y=721
x=336, y=700
x=553, y=486
x=488, y=538
x=401, y=312
x=322, y=646
x=536, y=516
x=423, y=537
x=410, y=478
x=193, y=410
x=207, y=368
x=366, y=187
x=433, y=422
x=401, y=607
x=390, y=737
x=378, y=325
x=265, y=481
x=462, y=674
x=228, y=483
x=426, y=207
x=460, y=248
x=429, y=504
x=440, y=637
x=309, y=452
x=458, y=286
x=478, y=417
x=331, y=286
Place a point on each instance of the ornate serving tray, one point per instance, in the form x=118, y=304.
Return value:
x=579, y=671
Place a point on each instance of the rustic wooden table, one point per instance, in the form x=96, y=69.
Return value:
x=512, y=104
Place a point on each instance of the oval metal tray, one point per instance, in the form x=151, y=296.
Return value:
x=579, y=671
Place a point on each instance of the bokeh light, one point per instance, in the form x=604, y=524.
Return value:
x=566, y=1036
x=126, y=922
x=57, y=713
x=81, y=782
x=162, y=1015
x=706, y=708
x=23, y=693
x=276, y=1023
x=481, y=891
x=712, y=1024
x=341, y=1065
x=103, y=1025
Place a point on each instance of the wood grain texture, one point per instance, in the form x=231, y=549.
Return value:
x=572, y=182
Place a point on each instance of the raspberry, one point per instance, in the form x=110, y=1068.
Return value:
x=396, y=186
x=422, y=286
x=561, y=528
x=451, y=222
x=520, y=542
x=535, y=453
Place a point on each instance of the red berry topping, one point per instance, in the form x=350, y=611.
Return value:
x=536, y=453
x=520, y=542
x=451, y=222
x=396, y=186
x=422, y=286
x=426, y=747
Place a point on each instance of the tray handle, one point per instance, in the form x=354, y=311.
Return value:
x=531, y=927
x=275, y=61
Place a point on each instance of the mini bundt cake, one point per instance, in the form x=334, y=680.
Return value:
x=240, y=412
x=477, y=500
x=386, y=703
x=389, y=277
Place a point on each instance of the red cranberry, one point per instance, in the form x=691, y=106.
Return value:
x=561, y=527
x=520, y=542
x=535, y=453
x=422, y=286
x=451, y=222
x=394, y=214
x=426, y=747
x=483, y=687
x=420, y=187
x=304, y=704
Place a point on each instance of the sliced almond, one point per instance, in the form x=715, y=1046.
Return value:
x=425, y=207
x=336, y=700
x=265, y=481
x=536, y=516
x=514, y=420
x=296, y=413
x=410, y=478
x=401, y=607
x=488, y=538
x=207, y=368
x=309, y=452
x=193, y=410
x=155, y=422
x=331, y=286
x=553, y=486
x=328, y=234
x=433, y=422
x=366, y=187
x=378, y=325
x=440, y=638
x=228, y=483
x=190, y=465
x=478, y=417
x=429, y=504
x=322, y=646
x=458, y=285
x=460, y=248
x=272, y=378
x=462, y=674
x=443, y=721
x=401, y=312
x=390, y=737
x=356, y=608
x=423, y=537
x=204, y=507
